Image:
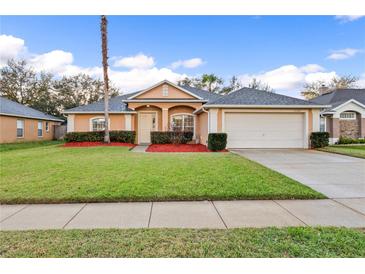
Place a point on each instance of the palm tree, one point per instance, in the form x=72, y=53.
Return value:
x=104, y=48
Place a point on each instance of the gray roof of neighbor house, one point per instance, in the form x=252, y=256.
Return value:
x=11, y=108
x=340, y=96
x=254, y=97
x=116, y=104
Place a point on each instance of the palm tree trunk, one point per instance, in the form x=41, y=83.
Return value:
x=104, y=48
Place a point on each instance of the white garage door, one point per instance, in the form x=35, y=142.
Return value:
x=264, y=130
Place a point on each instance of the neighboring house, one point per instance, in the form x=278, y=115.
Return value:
x=346, y=114
x=251, y=118
x=19, y=123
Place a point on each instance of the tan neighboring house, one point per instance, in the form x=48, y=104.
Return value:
x=19, y=123
x=346, y=114
x=251, y=118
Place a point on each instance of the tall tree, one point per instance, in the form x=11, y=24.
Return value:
x=104, y=47
x=18, y=82
x=314, y=89
x=258, y=84
x=211, y=82
x=80, y=89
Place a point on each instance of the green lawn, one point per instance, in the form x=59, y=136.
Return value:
x=51, y=174
x=25, y=145
x=247, y=242
x=355, y=151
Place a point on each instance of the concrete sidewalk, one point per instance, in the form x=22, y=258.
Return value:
x=202, y=214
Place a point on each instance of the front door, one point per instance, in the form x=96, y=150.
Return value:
x=147, y=123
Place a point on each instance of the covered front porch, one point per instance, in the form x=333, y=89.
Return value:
x=167, y=116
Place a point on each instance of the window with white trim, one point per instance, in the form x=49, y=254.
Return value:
x=165, y=90
x=40, y=129
x=348, y=115
x=182, y=122
x=19, y=128
x=47, y=126
x=98, y=124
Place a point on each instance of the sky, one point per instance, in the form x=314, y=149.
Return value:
x=283, y=51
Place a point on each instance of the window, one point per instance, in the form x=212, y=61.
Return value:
x=347, y=115
x=40, y=128
x=19, y=128
x=47, y=126
x=182, y=122
x=165, y=90
x=98, y=124
x=322, y=124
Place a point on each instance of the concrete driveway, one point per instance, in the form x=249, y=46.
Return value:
x=334, y=175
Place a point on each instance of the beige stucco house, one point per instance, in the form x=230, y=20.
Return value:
x=251, y=118
x=19, y=123
x=345, y=115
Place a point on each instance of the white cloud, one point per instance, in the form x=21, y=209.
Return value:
x=348, y=18
x=342, y=54
x=10, y=47
x=361, y=82
x=289, y=79
x=190, y=63
x=139, y=61
x=55, y=61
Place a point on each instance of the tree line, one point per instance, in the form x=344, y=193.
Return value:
x=44, y=92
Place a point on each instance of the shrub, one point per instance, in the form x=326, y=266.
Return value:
x=122, y=136
x=217, y=141
x=346, y=140
x=171, y=137
x=319, y=139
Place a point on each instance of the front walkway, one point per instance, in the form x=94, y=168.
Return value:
x=336, y=176
x=203, y=214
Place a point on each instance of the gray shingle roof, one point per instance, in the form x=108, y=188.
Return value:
x=116, y=104
x=340, y=96
x=248, y=96
x=8, y=107
x=206, y=95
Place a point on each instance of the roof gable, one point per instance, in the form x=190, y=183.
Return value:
x=156, y=92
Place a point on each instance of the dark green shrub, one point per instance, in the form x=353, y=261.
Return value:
x=171, y=137
x=319, y=139
x=217, y=141
x=346, y=141
x=122, y=136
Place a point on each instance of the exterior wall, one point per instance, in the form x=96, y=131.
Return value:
x=8, y=130
x=173, y=93
x=351, y=128
x=362, y=129
x=202, y=128
x=82, y=121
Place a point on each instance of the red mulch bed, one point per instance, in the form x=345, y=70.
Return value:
x=179, y=148
x=97, y=144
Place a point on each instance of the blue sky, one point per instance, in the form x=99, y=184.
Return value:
x=284, y=51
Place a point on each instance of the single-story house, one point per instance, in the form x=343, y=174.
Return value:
x=346, y=114
x=251, y=118
x=19, y=123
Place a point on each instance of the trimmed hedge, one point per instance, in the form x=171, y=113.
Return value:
x=346, y=141
x=319, y=139
x=217, y=141
x=122, y=136
x=171, y=137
